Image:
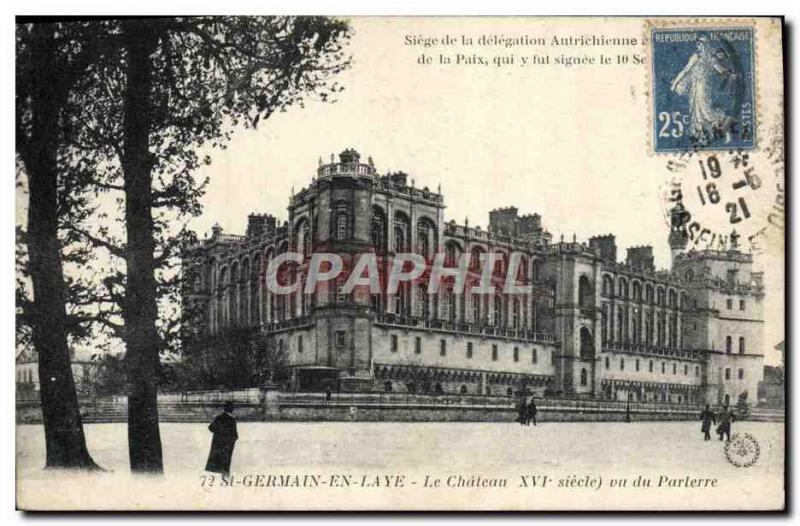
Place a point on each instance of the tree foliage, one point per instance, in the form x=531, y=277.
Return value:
x=152, y=99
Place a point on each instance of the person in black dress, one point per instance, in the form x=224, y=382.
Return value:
x=726, y=417
x=224, y=429
x=532, y=412
x=708, y=417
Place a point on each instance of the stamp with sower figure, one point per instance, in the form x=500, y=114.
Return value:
x=703, y=89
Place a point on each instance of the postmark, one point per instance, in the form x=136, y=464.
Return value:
x=742, y=450
x=730, y=199
x=702, y=88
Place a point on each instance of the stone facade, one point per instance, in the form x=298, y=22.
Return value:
x=588, y=325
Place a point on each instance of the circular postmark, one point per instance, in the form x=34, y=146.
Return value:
x=742, y=450
x=727, y=199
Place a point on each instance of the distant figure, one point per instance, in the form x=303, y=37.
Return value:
x=328, y=394
x=708, y=417
x=725, y=419
x=531, y=413
x=522, y=412
x=225, y=436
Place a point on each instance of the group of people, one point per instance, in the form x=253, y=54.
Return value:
x=723, y=421
x=526, y=412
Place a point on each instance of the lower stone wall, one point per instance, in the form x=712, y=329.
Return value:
x=199, y=412
x=342, y=413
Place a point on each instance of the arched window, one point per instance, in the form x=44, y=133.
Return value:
x=402, y=227
x=475, y=259
x=233, y=299
x=608, y=286
x=423, y=244
x=741, y=344
x=501, y=263
x=623, y=288
x=587, y=343
x=728, y=344
x=584, y=379
x=476, y=300
x=387, y=386
x=425, y=238
x=604, y=324
x=399, y=238
x=585, y=293
x=378, y=229
x=452, y=254
x=451, y=305
x=463, y=389
x=537, y=270
x=423, y=305
x=342, y=226
x=509, y=392
x=498, y=311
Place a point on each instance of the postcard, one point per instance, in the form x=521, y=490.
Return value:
x=400, y=263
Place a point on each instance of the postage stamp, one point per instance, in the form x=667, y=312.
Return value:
x=703, y=89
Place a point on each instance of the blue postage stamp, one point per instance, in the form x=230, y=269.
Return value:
x=703, y=89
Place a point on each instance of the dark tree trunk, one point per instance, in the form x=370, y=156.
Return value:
x=140, y=308
x=64, y=439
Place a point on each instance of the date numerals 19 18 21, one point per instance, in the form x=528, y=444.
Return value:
x=709, y=193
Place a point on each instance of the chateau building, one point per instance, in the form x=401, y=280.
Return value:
x=588, y=325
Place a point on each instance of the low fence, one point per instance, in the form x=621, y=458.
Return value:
x=254, y=405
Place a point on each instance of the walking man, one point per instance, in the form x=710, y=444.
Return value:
x=224, y=429
x=725, y=419
x=522, y=413
x=532, y=411
x=708, y=417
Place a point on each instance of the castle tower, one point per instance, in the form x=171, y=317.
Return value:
x=726, y=297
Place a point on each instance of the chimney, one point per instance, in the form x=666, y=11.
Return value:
x=260, y=224
x=606, y=245
x=399, y=178
x=504, y=220
x=641, y=258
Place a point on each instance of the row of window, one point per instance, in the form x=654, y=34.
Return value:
x=650, y=367
x=728, y=373
x=729, y=345
x=660, y=296
x=729, y=304
x=388, y=386
x=25, y=376
x=394, y=347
